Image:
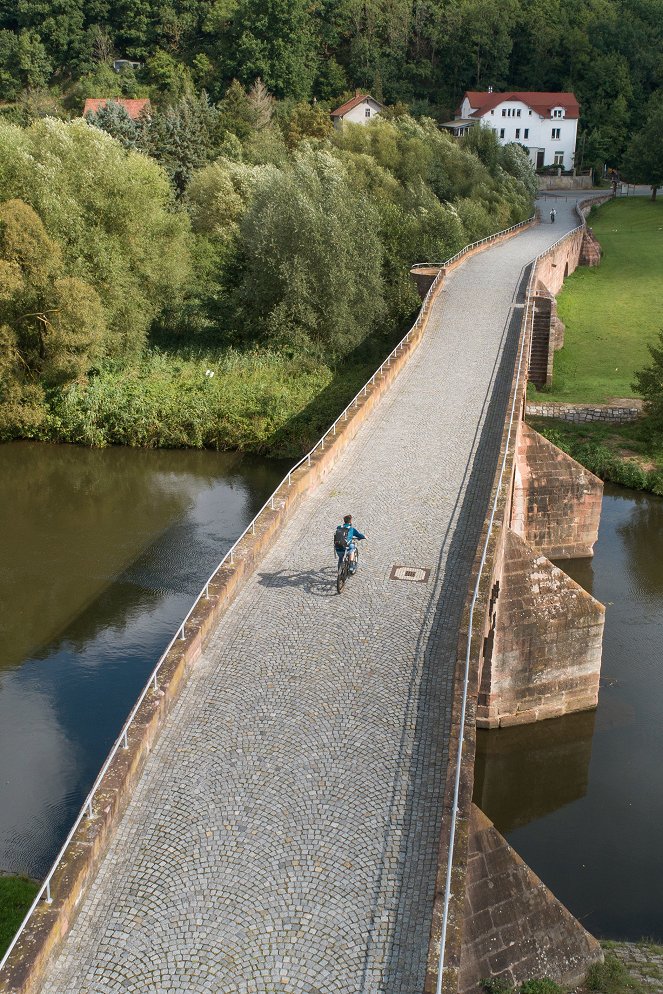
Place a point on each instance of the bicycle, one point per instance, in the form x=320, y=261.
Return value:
x=347, y=565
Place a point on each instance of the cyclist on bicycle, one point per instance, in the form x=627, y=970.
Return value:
x=344, y=538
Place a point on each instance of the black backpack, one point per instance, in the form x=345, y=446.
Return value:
x=341, y=537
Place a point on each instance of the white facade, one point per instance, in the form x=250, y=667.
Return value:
x=550, y=139
x=361, y=113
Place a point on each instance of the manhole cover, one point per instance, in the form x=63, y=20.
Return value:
x=415, y=574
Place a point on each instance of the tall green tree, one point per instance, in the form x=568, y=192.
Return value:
x=52, y=325
x=643, y=162
x=275, y=41
x=311, y=275
x=112, y=212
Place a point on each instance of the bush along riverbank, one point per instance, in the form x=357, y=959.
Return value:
x=242, y=306
x=630, y=454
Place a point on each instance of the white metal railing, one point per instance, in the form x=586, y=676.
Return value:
x=524, y=337
x=473, y=245
x=122, y=741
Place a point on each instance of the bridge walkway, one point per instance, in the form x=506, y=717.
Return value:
x=284, y=833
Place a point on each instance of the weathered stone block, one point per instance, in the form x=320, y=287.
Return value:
x=546, y=657
x=556, y=501
x=531, y=933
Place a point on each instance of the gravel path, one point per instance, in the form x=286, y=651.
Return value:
x=284, y=833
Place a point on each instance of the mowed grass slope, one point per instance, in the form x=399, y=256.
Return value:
x=613, y=311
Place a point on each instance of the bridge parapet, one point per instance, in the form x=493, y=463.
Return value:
x=529, y=648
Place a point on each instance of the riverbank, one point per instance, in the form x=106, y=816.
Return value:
x=260, y=401
x=16, y=896
x=627, y=454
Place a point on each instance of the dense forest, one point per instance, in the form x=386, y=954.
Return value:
x=227, y=270
x=421, y=52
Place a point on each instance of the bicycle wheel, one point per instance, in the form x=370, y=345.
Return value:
x=342, y=575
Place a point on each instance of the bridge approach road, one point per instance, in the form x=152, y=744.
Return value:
x=283, y=836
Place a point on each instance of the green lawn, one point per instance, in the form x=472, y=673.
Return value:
x=613, y=311
x=16, y=896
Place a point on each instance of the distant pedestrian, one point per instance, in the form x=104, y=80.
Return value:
x=553, y=215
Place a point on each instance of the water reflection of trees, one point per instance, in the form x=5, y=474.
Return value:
x=642, y=535
x=75, y=519
x=524, y=773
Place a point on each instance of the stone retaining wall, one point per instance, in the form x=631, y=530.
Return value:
x=584, y=413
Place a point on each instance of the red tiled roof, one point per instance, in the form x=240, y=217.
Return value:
x=542, y=103
x=354, y=102
x=134, y=108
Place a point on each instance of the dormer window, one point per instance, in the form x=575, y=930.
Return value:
x=558, y=112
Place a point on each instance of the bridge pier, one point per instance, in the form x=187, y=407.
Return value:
x=542, y=651
x=514, y=927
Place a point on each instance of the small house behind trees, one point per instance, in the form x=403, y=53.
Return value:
x=360, y=109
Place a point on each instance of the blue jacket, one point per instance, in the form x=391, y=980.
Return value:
x=352, y=532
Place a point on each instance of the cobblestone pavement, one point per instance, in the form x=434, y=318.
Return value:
x=283, y=837
x=643, y=960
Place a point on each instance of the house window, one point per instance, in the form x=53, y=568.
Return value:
x=526, y=135
x=517, y=132
x=530, y=113
x=501, y=132
x=559, y=159
x=556, y=133
x=492, y=112
x=518, y=113
x=557, y=113
x=367, y=112
x=503, y=113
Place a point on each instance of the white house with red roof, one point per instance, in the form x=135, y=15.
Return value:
x=134, y=108
x=545, y=123
x=361, y=109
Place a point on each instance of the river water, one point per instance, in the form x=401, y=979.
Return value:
x=581, y=798
x=102, y=554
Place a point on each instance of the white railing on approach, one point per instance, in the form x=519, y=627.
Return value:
x=524, y=337
x=122, y=741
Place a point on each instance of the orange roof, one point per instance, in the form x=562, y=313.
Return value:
x=542, y=103
x=354, y=102
x=134, y=108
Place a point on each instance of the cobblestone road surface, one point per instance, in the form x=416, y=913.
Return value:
x=284, y=833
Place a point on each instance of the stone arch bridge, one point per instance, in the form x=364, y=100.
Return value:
x=287, y=830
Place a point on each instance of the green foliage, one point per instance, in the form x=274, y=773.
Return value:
x=112, y=213
x=497, y=985
x=23, y=62
x=273, y=40
x=184, y=137
x=16, y=896
x=51, y=325
x=311, y=276
x=644, y=157
x=649, y=383
x=612, y=977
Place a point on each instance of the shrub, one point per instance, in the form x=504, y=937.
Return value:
x=611, y=977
